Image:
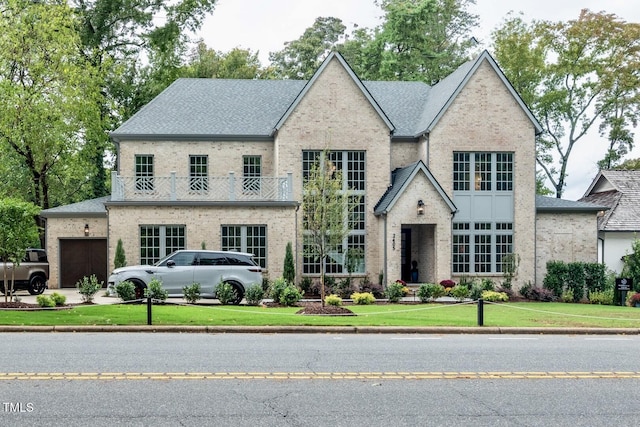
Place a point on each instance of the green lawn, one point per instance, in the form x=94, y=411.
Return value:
x=504, y=315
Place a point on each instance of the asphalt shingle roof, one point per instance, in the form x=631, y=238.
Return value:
x=553, y=204
x=228, y=109
x=91, y=207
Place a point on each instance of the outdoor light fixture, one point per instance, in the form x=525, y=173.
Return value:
x=420, y=207
x=86, y=229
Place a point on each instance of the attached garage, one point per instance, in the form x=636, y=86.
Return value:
x=76, y=242
x=80, y=258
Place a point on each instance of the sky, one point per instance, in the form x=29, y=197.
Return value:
x=265, y=25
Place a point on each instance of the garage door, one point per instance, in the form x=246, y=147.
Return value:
x=80, y=258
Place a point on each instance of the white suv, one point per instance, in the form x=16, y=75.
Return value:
x=184, y=267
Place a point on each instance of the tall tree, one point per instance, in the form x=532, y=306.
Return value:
x=47, y=94
x=117, y=36
x=18, y=231
x=326, y=214
x=572, y=75
x=301, y=58
x=204, y=62
x=422, y=40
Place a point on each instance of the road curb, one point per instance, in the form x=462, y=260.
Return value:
x=427, y=330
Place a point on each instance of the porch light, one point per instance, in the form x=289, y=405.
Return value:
x=420, y=207
x=86, y=229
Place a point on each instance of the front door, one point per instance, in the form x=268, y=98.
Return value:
x=405, y=254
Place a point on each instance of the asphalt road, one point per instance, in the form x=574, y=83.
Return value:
x=141, y=379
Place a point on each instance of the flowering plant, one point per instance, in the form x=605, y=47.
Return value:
x=448, y=283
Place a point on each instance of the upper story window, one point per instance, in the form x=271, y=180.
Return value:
x=251, y=173
x=144, y=172
x=198, y=174
x=491, y=171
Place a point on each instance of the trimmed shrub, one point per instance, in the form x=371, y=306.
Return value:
x=601, y=297
x=154, y=290
x=556, y=277
x=254, y=295
x=305, y=284
x=126, y=291
x=88, y=287
x=430, y=291
x=576, y=280
x=45, y=301
x=333, y=299
x=493, y=296
x=363, y=298
x=595, y=276
x=277, y=287
x=119, y=259
x=394, y=292
x=535, y=293
x=488, y=285
x=58, y=299
x=225, y=293
x=567, y=296
x=476, y=291
x=344, y=288
x=373, y=288
x=290, y=296
x=289, y=269
x=191, y=293
x=460, y=292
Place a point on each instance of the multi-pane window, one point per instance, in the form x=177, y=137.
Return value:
x=461, y=174
x=504, y=171
x=488, y=168
x=198, y=174
x=491, y=242
x=144, y=172
x=158, y=241
x=251, y=173
x=352, y=165
x=246, y=238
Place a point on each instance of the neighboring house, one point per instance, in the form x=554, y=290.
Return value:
x=443, y=175
x=618, y=226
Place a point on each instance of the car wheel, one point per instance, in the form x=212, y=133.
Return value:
x=139, y=289
x=238, y=294
x=37, y=285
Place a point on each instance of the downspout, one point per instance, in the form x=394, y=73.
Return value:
x=298, y=274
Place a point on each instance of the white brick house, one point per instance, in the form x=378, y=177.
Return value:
x=444, y=174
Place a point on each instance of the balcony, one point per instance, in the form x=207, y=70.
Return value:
x=174, y=188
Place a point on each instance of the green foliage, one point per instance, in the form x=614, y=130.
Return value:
x=633, y=298
x=510, y=263
x=191, y=293
x=88, y=287
x=155, y=291
x=576, y=280
x=556, y=277
x=325, y=210
x=460, y=292
x=394, y=292
x=595, y=276
x=632, y=264
x=430, y=291
x=203, y=246
x=289, y=270
x=596, y=53
x=344, y=287
x=567, y=296
x=305, y=284
x=254, y=295
x=488, y=285
x=119, y=260
x=225, y=293
x=58, y=299
x=493, y=296
x=45, y=301
x=277, y=287
x=290, y=296
x=601, y=297
x=476, y=291
x=126, y=291
x=18, y=231
x=334, y=300
x=363, y=298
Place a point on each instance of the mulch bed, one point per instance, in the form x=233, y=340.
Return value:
x=17, y=305
x=328, y=310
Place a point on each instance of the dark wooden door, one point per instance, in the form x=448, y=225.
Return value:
x=405, y=254
x=80, y=258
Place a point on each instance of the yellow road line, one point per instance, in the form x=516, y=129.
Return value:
x=111, y=376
